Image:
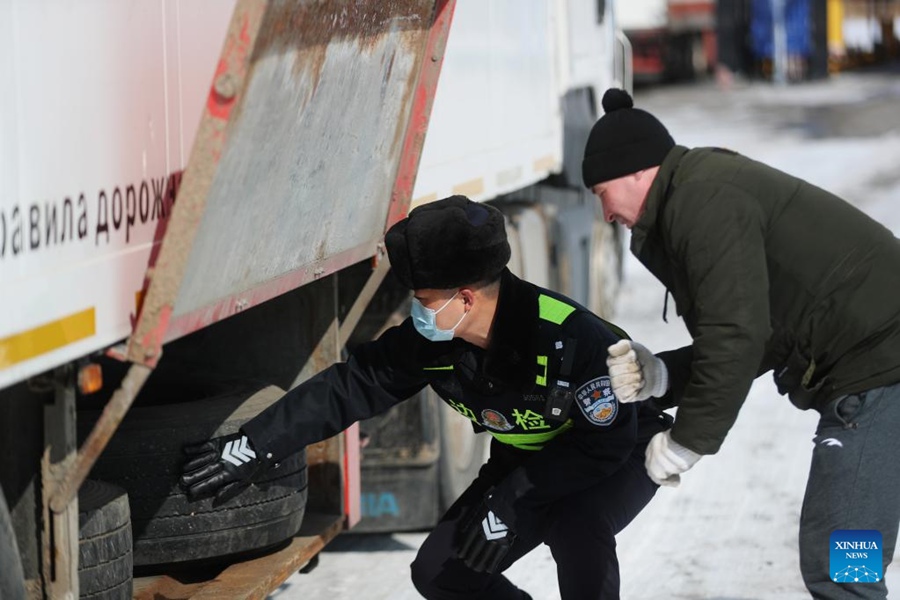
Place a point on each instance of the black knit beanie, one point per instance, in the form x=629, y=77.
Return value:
x=447, y=244
x=623, y=141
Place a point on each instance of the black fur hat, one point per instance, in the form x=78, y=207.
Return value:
x=623, y=141
x=448, y=243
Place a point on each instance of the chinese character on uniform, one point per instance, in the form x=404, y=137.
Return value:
x=529, y=420
x=463, y=410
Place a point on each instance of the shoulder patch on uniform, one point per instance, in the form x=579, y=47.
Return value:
x=597, y=402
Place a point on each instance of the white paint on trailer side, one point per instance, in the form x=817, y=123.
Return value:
x=107, y=95
x=497, y=111
x=497, y=106
x=730, y=529
x=104, y=95
x=591, y=41
x=641, y=14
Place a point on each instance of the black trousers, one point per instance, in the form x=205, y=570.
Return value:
x=579, y=529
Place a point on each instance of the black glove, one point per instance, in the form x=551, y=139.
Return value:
x=221, y=467
x=483, y=539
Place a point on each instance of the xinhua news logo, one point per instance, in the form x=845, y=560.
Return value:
x=856, y=556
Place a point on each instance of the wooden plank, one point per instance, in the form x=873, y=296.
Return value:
x=254, y=578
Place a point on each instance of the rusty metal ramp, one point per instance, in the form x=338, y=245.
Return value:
x=306, y=151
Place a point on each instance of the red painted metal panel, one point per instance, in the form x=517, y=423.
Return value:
x=422, y=104
x=352, y=485
x=230, y=243
x=692, y=14
x=231, y=305
x=677, y=9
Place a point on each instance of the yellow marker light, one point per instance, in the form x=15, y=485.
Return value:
x=90, y=378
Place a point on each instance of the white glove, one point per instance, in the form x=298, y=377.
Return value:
x=635, y=373
x=666, y=459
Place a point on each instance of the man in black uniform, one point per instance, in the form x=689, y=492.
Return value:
x=523, y=363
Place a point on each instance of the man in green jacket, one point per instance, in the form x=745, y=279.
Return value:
x=769, y=273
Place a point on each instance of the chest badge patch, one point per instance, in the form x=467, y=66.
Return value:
x=495, y=420
x=597, y=401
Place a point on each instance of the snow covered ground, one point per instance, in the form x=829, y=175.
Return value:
x=729, y=532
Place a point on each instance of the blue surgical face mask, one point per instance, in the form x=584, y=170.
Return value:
x=425, y=321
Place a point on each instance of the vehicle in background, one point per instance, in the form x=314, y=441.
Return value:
x=814, y=38
x=862, y=32
x=670, y=39
x=192, y=202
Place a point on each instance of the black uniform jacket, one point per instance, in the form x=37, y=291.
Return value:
x=503, y=390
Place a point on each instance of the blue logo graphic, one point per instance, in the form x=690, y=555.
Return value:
x=376, y=505
x=856, y=556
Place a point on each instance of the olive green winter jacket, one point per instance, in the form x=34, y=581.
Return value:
x=769, y=273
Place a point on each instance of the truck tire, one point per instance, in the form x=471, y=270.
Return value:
x=12, y=577
x=145, y=457
x=462, y=454
x=104, y=542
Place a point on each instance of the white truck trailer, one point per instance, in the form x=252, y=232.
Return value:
x=192, y=201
